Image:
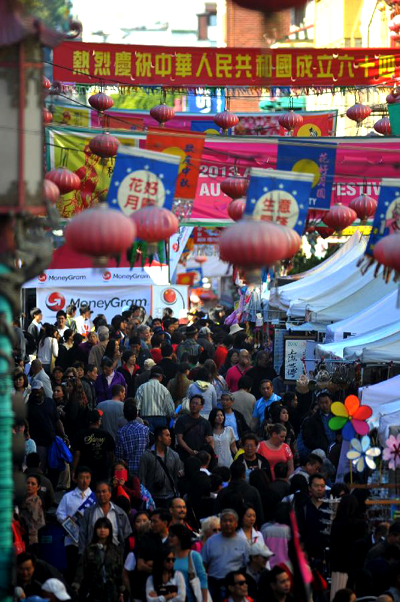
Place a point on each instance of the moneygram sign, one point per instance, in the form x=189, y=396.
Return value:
x=110, y=277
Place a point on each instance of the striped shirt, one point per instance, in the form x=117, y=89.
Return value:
x=153, y=399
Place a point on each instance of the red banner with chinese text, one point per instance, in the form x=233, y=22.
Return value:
x=128, y=65
x=187, y=146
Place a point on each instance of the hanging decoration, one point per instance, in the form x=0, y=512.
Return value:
x=65, y=179
x=46, y=83
x=51, y=192
x=235, y=187
x=47, y=116
x=339, y=217
x=382, y=126
x=100, y=233
x=154, y=226
x=393, y=96
x=391, y=453
x=101, y=102
x=325, y=232
x=364, y=206
x=104, y=145
x=387, y=253
x=162, y=113
x=236, y=209
x=351, y=417
x=362, y=455
x=290, y=121
x=226, y=120
x=358, y=112
x=293, y=242
x=200, y=259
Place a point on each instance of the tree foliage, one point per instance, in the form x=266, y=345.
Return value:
x=301, y=263
x=53, y=13
x=140, y=100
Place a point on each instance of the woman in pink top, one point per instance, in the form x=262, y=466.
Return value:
x=275, y=449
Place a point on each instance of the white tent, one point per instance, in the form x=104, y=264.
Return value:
x=384, y=400
x=319, y=280
x=389, y=351
x=356, y=352
x=355, y=345
x=379, y=313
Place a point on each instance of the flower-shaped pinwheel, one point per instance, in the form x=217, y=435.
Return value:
x=361, y=453
x=350, y=416
x=391, y=452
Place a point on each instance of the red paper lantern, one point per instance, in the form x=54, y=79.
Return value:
x=226, y=120
x=253, y=244
x=364, y=206
x=162, y=113
x=51, y=192
x=358, y=112
x=339, y=217
x=101, y=101
x=235, y=187
x=290, y=121
x=100, y=232
x=293, y=242
x=200, y=259
x=387, y=251
x=154, y=223
x=104, y=145
x=270, y=5
x=46, y=83
x=382, y=126
x=47, y=116
x=325, y=232
x=66, y=180
x=236, y=209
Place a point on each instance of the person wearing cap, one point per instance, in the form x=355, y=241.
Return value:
x=154, y=401
x=32, y=573
x=235, y=329
x=144, y=376
x=205, y=339
x=94, y=447
x=54, y=590
x=258, y=566
x=190, y=346
x=316, y=431
x=235, y=373
x=83, y=323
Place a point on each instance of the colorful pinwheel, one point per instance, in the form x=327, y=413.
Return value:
x=361, y=453
x=391, y=453
x=351, y=417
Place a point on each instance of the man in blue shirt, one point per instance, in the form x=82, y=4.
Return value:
x=267, y=399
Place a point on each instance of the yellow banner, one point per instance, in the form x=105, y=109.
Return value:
x=78, y=117
x=365, y=230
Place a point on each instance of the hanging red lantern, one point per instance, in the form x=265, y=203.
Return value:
x=393, y=96
x=66, y=180
x=47, y=116
x=154, y=223
x=236, y=209
x=293, y=242
x=339, y=217
x=51, y=192
x=100, y=233
x=226, y=120
x=200, y=259
x=325, y=232
x=364, y=206
x=358, y=112
x=290, y=121
x=234, y=186
x=270, y=5
x=104, y=145
x=387, y=252
x=46, y=83
x=382, y=126
x=162, y=113
x=101, y=101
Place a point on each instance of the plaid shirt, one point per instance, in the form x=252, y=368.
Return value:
x=132, y=440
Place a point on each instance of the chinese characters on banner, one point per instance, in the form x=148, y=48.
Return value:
x=279, y=196
x=317, y=159
x=189, y=148
x=142, y=177
x=387, y=214
x=295, y=356
x=82, y=62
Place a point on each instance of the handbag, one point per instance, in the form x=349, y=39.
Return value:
x=58, y=454
x=194, y=581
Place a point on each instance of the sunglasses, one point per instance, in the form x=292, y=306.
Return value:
x=172, y=559
x=240, y=582
x=216, y=530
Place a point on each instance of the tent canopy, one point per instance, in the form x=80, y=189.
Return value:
x=379, y=396
x=355, y=352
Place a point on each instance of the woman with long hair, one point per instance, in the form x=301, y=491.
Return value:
x=275, y=449
x=232, y=359
x=216, y=380
x=165, y=583
x=99, y=574
x=280, y=415
x=48, y=346
x=289, y=400
x=76, y=408
x=179, y=385
x=66, y=345
x=129, y=370
x=248, y=529
x=224, y=438
x=186, y=560
x=21, y=384
x=113, y=350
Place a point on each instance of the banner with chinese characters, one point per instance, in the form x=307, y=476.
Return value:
x=188, y=147
x=279, y=196
x=142, y=177
x=129, y=65
x=387, y=214
x=318, y=160
x=70, y=148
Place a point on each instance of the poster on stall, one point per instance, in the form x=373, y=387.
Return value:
x=294, y=357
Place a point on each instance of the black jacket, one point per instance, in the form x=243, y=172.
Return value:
x=242, y=425
x=264, y=464
x=236, y=495
x=170, y=369
x=314, y=436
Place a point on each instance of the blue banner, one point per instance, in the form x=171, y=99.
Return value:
x=205, y=102
x=387, y=214
x=279, y=196
x=142, y=177
x=206, y=126
x=317, y=158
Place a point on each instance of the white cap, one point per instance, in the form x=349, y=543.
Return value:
x=235, y=328
x=56, y=587
x=260, y=549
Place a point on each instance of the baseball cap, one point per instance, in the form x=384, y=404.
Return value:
x=260, y=549
x=158, y=330
x=36, y=384
x=148, y=364
x=56, y=587
x=204, y=331
x=94, y=416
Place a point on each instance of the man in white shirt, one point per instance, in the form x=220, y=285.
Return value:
x=69, y=507
x=37, y=373
x=61, y=323
x=84, y=324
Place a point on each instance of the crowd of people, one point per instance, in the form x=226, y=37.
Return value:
x=177, y=464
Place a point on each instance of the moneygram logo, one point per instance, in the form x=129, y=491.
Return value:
x=42, y=278
x=106, y=275
x=55, y=301
x=169, y=296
